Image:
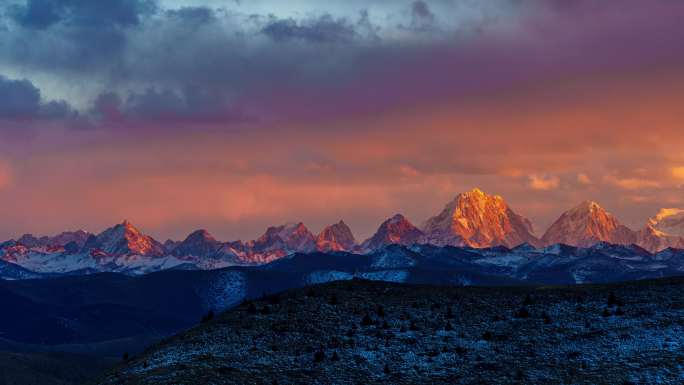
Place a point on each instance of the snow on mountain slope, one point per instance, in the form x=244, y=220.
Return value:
x=125, y=239
x=477, y=219
x=395, y=230
x=386, y=275
x=669, y=221
x=665, y=229
x=280, y=241
x=587, y=224
x=323, y=276
x=223, y=289
x=393, y=256
x=199, y=243
x=337, y=237
x=491, y=236
x=11, y=271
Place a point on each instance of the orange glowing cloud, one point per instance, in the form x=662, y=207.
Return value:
x=544, y=148
x=678, y=172
x=542, y=182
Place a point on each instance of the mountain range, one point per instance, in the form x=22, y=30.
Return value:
x=473, y=219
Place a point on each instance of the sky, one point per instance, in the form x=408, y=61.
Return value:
x=234, y=115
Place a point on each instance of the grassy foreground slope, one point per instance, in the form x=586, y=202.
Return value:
x=353, y=332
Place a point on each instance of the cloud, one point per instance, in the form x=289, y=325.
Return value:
x=678, y=172
x=323, y=29
x=408, y=171
x=42, y=14
x=190, y=105
x=330, y=62
x=422, y=18
x=633, y=183
x=543, y=182
x=21, y=100
x=193, y=15
x=583, y=178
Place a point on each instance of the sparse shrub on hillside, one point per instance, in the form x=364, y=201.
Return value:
x=380, y=311
x=333, y=300
x=606, y=313
x=251, y=308
x=125, y=356
x=310, y=293
x=334, y=343
x=335, y=357
x=487, y=336
x=522, y=313
x=619, y=312
x=448, y=327
x=366, y=320
x=460, y=350
x=546, y=318
x=386, y=369
x=613, y=300
x=450, y=313
x=319, y=356
x=207, y=317
x=413, y=326
x=385, y=325
x=519, y=375
x=528, y=301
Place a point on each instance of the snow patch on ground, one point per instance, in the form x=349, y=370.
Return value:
x=389, y=259
x=507, y=260
x=386, y=275
x=323, y=276
x=224, y=290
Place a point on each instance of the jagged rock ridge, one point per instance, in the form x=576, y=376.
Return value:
x=478, y=220
x=337, y=237
x=587, y=224
x=395, y=230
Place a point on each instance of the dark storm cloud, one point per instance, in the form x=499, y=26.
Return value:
x=194, y=15
x=21, y=100
x=422, y=16
x=71, y=36
x=205, y=64
x=42, y=14
x=191, y=105
x=324, y=29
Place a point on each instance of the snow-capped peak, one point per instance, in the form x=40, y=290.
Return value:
x=669, y=221
x=337, y=237
x=586, y=224
x=395, y=230
x=477, y=219
x=125, y=239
